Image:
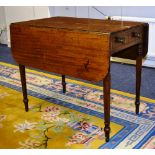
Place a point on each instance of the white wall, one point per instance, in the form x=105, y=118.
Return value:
x=85, y=11
x=64, y=10
x=74, y=11
x=23, y=13
x=130, y=11
x=3, y=38
x=41, y=12
x=2, y=16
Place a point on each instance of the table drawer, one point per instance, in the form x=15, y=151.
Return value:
x=124, y=39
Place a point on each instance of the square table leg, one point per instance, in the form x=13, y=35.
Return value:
x=106, y=84
x=23, y=82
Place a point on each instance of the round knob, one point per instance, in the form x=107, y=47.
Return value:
x=120, y=40
x=136, y=34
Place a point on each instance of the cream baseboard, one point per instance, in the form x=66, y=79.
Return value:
x=148, y=62
x=9, y=44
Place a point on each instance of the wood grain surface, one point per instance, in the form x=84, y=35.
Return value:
x=76, y=47
x=78, y=54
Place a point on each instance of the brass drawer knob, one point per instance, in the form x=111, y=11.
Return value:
x=136, y=34
x=120, y=40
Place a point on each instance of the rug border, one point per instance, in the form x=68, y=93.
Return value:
x=81, y=83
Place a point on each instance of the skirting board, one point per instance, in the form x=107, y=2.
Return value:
x=9, y=44
x=148, y=62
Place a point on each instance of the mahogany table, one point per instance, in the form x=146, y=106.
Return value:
x=81, y=48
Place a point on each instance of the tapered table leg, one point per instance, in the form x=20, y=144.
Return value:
x=63, y=84
x=106, y=84
x=138, y=77
x=23, y=82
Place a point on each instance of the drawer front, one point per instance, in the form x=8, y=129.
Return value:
x=135, y=34
x=127, y=38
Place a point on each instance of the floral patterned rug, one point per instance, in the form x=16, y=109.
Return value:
x=71, y=120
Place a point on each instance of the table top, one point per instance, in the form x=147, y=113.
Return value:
x=82, y=24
